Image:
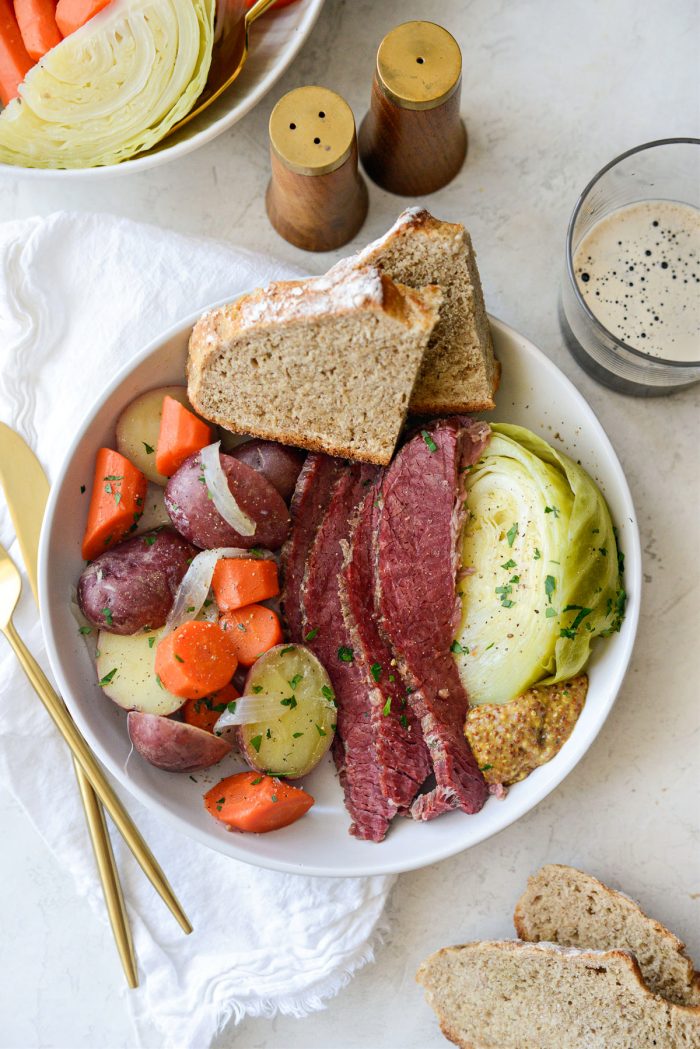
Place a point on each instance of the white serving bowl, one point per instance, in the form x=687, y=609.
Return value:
x=275, y=40
x=533, y=393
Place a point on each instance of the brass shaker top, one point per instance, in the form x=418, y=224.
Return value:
x=312, y=130
x=419, y=65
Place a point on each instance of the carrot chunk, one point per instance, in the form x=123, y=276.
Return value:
x=116, y=503
x=15, y=62
x=72, y=14
x=204, y=713
x=250, y=801
x=37, y=24
x=181, y=435
x=195, y=660
x=238, y=582
x=253, y=630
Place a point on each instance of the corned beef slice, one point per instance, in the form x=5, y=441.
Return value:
x=400, y=751
x=308, y=507
x=353, y=747
x=419, y=529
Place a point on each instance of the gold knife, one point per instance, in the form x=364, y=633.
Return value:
x=26, y=491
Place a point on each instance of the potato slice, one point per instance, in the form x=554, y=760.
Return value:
x=138, y=427
x=294, y=743
x=126, y=672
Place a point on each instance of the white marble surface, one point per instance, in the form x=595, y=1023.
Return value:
x=551, y=92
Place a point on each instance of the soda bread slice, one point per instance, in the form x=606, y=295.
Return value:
x=576, y=910
x=326, y=363
x=459, y=372
x=513, y=995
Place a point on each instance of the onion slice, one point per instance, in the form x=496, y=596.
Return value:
x=196, y=583
x=222, y=497
x=249, y=709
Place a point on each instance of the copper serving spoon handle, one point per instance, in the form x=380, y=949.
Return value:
x=230, y=52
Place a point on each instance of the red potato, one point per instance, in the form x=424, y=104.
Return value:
x=132, y=586
x=278, y=462
x=196, y=518
x=174, y=745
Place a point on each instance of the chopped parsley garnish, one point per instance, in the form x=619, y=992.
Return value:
x=149, y=540
x=504, y=595
x=290, y=701
x=550, y=612
x=321, y=731
x=511, y=533
x=151, y=642
x=256, y=551
x=430, y=443
x=160, y=683
x=386, y=709
x=108, y=677
x=552, y=510
x=220, y=804
x=510, y=563
x=404, y=721
x=273, y=798
x=255, y=743
x=295, y=681
x=602, y=551
x=550, y=585
x=268, y=734
x=190, y=608
x=82, y=489
x=457, y=648
x=376, y=671
x=231, y=706
x=346, y=655
x=149, y=448
x=538, y=555
x=296, y=735
x=485, y=768
x=489, y=646
x=256, y=689
x=570, y=630
x=178, y=658
x=254, y=782
x=327, y=693
x=289, y=648
x=311, y=634
x=85, y=630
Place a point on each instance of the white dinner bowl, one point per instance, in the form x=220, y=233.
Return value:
x=533, y=393
x=275, y=40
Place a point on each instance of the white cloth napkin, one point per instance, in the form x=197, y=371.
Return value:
x=78, y=296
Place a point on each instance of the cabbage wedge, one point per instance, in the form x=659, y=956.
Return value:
x=542, y=569
x=113, y=88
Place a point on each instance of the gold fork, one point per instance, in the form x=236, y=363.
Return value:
x=10, y=589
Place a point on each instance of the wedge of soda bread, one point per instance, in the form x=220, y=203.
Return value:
x=326, y=363
x=514, y=995
x=564, y=905
x=459, y=372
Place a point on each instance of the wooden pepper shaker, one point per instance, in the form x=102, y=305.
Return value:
x=412, y=140
x=316, y=198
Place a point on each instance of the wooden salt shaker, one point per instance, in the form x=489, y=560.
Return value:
x=316, y=198
x=412, y=140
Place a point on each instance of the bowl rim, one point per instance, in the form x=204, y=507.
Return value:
x=648, y=358
x=550, y=776
x=298, y=38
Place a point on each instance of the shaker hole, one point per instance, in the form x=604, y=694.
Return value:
x=292, y=127
x=420, y=61
x=322, y=115
x=317, y=141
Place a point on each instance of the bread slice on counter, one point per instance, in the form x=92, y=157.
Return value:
x=513, y=995
x=459, y=372
x=565, y=905
x=326, y=363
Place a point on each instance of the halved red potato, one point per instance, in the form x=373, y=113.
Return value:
x=138, y=427
x=126, y=672
x=174, y=745
x=278, y=462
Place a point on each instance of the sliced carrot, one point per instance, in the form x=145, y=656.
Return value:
x=195, y=660
x=37, y=24
x=253, y=630
x=15, y=62
x=116, y=503
x=243, y=581
x=181, y=435
x=250, y=801
x=204, y=713
x=72, y=14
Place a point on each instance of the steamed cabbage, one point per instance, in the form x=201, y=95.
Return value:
x=542, y=576
x=112, y=88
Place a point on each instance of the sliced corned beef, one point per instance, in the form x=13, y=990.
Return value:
x=353, y=747
x=308, y=507
x=420, y=523
x=399, y=748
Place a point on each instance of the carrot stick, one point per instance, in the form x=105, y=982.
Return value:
x=15, y=63
x=37, y=24
x=116, y=503
x=204, y=713
x=181, y=435
x=195, y=660
x=241, y=581
x=72, y=14
x=250, y=801
x=253, y=630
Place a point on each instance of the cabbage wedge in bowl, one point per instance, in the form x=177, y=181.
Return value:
x=542, y=570
x=113, y=88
